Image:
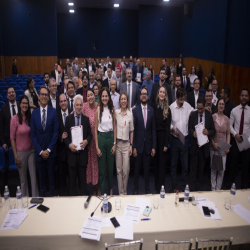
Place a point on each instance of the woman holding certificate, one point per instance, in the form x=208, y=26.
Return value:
x=222, y=132
x=89, y=109
x=79, y=137
x=105, y=138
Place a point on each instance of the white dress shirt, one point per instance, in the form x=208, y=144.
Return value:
x=112, y=75
x=41, y=113
x=195, y=99
x=15, y=107
x=66, y=112
x=53, y=102
x=131, y=89
x=180, y=117
x=91, y=84
x=115, y=98
x=235, y=118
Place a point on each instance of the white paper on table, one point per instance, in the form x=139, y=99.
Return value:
x=76, y=136
x=106, y=222
x=14, y=219
x=138, y=77
x=132, y=213
x=92, y=228
x=242, y=212
x=211, y=205
x=223, y=146
x=181, y=136
x=215, y=100
x=142, y=203
x=201, y=138
x=245, y=144
x=248, y=199
x=125, y=230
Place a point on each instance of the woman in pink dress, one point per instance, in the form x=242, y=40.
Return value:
x=89, y=109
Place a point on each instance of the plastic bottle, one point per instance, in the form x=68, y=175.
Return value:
x=186, y=198
x=233, y=193
x=6, y=197
x=105, y=205
x=18, y=198
x=176, y=198
x=162, y=192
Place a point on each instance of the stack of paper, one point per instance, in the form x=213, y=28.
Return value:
x=132, y=213
x=142, y=203
x=210, y=204
x=242, y=212
x=14, y=219
x=125, y=230
x=92, y=228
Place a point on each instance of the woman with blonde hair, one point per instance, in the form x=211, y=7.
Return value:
x=163, y=122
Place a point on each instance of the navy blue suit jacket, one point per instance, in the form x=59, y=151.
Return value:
x=47, y=139
x=135, y=72
x=142, y=134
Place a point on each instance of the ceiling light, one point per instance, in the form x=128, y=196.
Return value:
x=166, y=0
x=71, y=4
x=116, y=5
x=71, y=11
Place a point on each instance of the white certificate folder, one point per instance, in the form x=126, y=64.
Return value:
x=76, y=136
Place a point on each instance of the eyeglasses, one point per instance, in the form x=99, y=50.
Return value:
x=144, y=94
x=43, y=94
x=53, y=86
x=24, y=103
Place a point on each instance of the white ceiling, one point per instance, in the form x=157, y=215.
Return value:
x=62, y=5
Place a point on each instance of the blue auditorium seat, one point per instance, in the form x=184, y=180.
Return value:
x=21, y=75
x=1, y=104
x=37, y=75
x=11, y=83
x=2, y=158
x=1, y=98
x=19, y=92
x=29, y=75
x=6, y=78
x=3, y=84
x=18, y=80
x=1, y=80
x=9, y=80
x=139, y=86
x=2, y=88
x=12, y=163
x=4, y=92
x=202, y=91
x=13, y=76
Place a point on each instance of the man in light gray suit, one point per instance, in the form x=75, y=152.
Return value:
x=177, y=84
x=76, y=67
x=131, y=88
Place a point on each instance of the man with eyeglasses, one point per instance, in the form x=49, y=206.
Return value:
x=44, y=134
x=209, y=106
x=53, y=98
x=71, y=95
x=216, y=94
x=56, y=75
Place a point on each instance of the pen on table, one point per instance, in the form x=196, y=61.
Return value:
x=32, y=206
x=146, y=219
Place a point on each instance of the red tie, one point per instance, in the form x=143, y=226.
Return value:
x=242, y=121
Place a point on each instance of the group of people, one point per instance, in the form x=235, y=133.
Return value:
x=119, y=121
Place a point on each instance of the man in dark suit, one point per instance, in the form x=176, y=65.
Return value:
x=131, y=88
x=106, y=82
x=71, y=95
x=137, y=69
x=14, y=67
x=90, y=66
x=62, y=113
x=77, y=159
x=229, y=105
x=177, y=85
x=44, y=134
x=167, y=68
x=199, y=154
x=8, y=110
x=215, y=86
x=209, y=106
x=102, y=66
x=130, y=64
x=144, y=139
x=157, y=85
x=63, y=90
x=46, y=79
x=56, y=75
x=193, y=96
x=53, y=98
x=185, y=81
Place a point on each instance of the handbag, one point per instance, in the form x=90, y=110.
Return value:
x=217, y=163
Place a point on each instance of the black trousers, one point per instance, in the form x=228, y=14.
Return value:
x=160, y=161
x=80, y=172
x=244, y=158
x=197, y=163
x=144, y=159
x=63, y=172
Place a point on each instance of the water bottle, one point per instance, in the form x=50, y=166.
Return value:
x=233, y=193
x=186, y=198
x=105, y=205
x=162, y=192
x=177, y=198
x=6, y=197
x=18, y=198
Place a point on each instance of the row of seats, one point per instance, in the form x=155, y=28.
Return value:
x=22, y=75
x=12, y=164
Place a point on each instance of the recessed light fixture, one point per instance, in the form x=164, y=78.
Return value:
x=116, y=5
x=71, y=11
x=166, y=0
x=71, y=4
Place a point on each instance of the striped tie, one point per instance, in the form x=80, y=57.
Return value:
x=44, y=120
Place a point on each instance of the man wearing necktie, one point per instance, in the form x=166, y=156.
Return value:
x=61, y=148
x=56, y=75
x=239, y=125
x=199, y=154
x=77, y=158
x=137, y=70
x=8, y=110
x=144, y=139
x=71, y=94
x=44, y=134
x=185, y=83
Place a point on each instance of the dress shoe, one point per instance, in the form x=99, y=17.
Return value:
x=148, y=192
x=135, y=192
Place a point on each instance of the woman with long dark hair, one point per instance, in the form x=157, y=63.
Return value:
x=31, y=93
x=22, y=146
x=105, y=138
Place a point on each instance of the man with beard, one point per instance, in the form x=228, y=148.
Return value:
x=46, y=79
x=83, y=91
x=130, y=64
x=239, y=125
x=229, y=105
x=144, y=139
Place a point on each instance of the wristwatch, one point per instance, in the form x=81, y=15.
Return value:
x=114, y=142
x=131, y=144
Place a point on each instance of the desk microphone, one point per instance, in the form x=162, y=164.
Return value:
x=86, y=203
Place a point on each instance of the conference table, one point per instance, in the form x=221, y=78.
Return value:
x=59, y=228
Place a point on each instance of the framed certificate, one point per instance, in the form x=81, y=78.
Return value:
x=76, y=136
x=201, y=138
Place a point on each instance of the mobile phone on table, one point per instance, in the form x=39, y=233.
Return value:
x=115, y=222
x=206, y=211
x=36, y=200
x=43, y=208
x=147, y=211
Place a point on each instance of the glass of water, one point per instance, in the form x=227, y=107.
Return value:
x=227, y=203
x=118, y=204
x=155, y=203
x=25, y=201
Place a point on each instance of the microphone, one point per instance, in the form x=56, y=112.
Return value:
x=86, y=203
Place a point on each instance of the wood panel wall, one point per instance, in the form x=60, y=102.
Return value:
x=227, y=75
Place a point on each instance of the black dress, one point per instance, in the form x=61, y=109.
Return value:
x=34, y=97
x=179, y=69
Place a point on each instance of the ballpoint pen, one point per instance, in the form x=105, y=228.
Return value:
x=146, y=219
x=32, y=206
